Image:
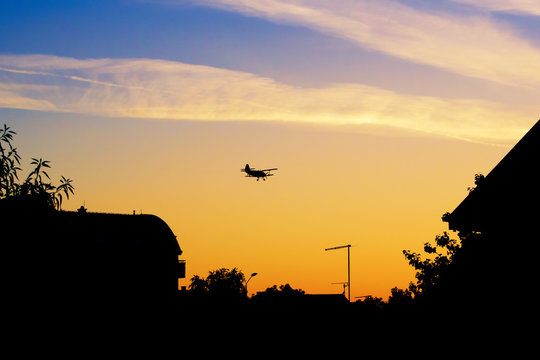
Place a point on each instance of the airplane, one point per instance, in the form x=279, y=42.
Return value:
x=257, y=173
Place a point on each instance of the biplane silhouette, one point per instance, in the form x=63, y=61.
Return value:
x=264, y=173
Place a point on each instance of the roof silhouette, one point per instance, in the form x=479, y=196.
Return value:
x=87, y=256
x=117, y=229
x=509, y=194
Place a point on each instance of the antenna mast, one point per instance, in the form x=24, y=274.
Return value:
x=348, y=265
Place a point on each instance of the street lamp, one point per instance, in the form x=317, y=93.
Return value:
x=252, y=275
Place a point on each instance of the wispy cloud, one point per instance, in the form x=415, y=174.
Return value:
x=475, y=46
x=146, y=88
x=516, y=6
x=12, y=96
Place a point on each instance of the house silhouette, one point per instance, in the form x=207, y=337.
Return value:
x=508, y=196
x=79, y=256
x=502, y=210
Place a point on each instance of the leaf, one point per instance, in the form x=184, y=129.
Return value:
x=58, y=201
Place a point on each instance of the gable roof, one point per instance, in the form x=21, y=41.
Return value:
x=508, y=196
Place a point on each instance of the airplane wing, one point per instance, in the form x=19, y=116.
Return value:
x=269, y=169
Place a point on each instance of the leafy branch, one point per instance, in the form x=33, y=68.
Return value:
x=9, y=162
x=37, y=184
x=430, y=271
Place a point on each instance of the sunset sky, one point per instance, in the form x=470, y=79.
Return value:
x=377, y=114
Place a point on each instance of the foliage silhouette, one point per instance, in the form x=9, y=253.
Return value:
x=275, y=294
x=221, y=285
x=36, y=187
x=449, y=272
x=478, y=179
x=369, y=305
x=431, y=270
x=9, y=162
x=400, y=298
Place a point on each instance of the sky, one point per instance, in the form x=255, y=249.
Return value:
x=377, y=114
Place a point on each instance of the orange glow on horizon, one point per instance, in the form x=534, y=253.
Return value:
x=381, y=194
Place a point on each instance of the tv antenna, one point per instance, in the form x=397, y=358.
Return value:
x=344, y=285
x=348, y=284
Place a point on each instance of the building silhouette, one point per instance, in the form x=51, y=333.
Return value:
x=80, y=256
x=500, y=266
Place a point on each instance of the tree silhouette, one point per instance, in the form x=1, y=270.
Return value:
x=370, y=304
x=284, y=295
x=430, y=271
x=449, y=268
x=222, y=285
x=400, y=298
x=283, y=290
x=36, y=187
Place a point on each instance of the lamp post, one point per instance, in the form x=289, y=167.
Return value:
x=252, y=275
x=348, y=265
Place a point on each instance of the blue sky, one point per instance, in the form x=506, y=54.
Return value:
x=121, y=29
x=208, y=34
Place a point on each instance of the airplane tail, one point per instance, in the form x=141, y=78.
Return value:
x=247, y=167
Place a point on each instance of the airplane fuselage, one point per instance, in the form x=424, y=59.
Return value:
x=256, y=173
